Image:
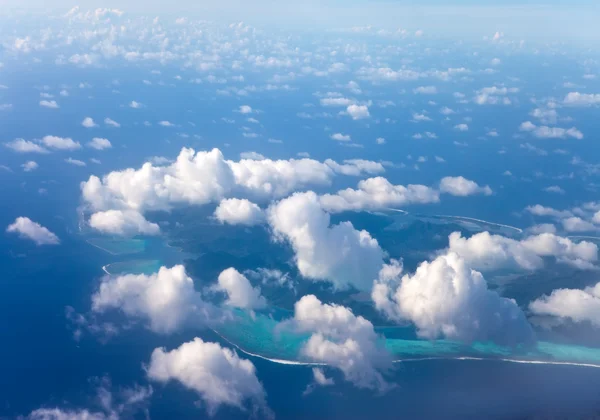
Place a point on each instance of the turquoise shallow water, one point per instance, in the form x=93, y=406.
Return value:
x=119, y=246
x=258, y=335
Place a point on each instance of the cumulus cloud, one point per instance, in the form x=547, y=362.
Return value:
x=545, y=132
x=25, y=146
x=342, y=340
x=99, y=143
x=135, y=105
x=30, y=166
x=245, y=109
x=425, y=90
x=339, y=254
x=377, y=193
x=358, y=112
x=28, y=229
x=574, y=304
x=217, y=374
x=111, y=123
x=461, y=127
x=582, y=99
x=60, y=143
x=166, y=299
x=205, y=177
x=123, y=222
x=340, y=137
x=88, y=122
x=462, y=187
x=49, y=104
x=446, y=298
x=484, y=251
x=240, y=293
x=235, y=211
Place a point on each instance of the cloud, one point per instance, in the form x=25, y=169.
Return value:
x=245, y=109
x=545, y=132
x=340, y=137
x=539, y=210
x=28, y=229
x=75, y=162
x=342, y=340
x=358, y=112
x=111, y=123
x=377, y=193
x=461, y=127
x=167, y=299
x=582, y=99
x=217, y=374
x=123, y=222
x=135, y=105
x=235, y=211
x=554, y=189
x=25, y=146
x=240, y=293
x=60, y=143
x=380, y=140
x=88, y=122
x=462, y=187
x=338, y=254
x=49, y=104
x=446, y=298
x=30, y=166
x=574, y=304
x=99, y=143
x=344, y=102
x=425, y=90
x=483, y=251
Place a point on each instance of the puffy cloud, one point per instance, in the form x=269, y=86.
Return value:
x=235, y=211
x=483, y=251
x=446, y=298
x=461, y=127
x=135, y=105
x=204, y=177
x=60, y=143
x=245, y=109
x=358, y=112
x=111, y=123
x=88, y=122
x=240, y=293
x=339, y=254
x=462, y=187
x=25, y=146
x=545, y=132
x=425, y=90
x=30, y=166
x=582, y=99
x=123, y=222
x=99, y=143
x=75, y=162
x=345, y=102
x=574, y=304
x=166, y=299
x=377, y=193
x=355, y=167
x=539, y=210
x=342, y=340
x=49, y=104
x=217, y=374
x=28, y=229
x=340, y=137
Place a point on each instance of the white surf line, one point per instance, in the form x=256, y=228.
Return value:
x=420, y=359
x=105, y=270
x=481, y=221
x=99, y=247
x=397, y=210
x=583, y=237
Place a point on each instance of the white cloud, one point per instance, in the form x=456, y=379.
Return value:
x=342, y=340
x=420, y=117
x=377, y=193
x=30, y=166
x=577, y=224
x=245, y=109
x=99, y=143
x=539, y=210
x=380, y=140
x=252, y=155
x=358, y=112
x=339, y=254
x=344, y=102
x=111, y=123
x=166, y=299
x=28, y=229
x=88, y=122
x=25, y=146
x=554, y=189
x=235, y=211
x=166, y=124
x=483, y=251
x=461, y=127
x=135, y=105
x=574, y=304
x=340, y=137
x=240, y=293
x=446, y=298
x=545, y=132
x=217, y=374
x=582, y=99
x=462, y=187
x=123, y=222
x=75, y=162
x=425, y=90
x=49, y=104
x=60, y=143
